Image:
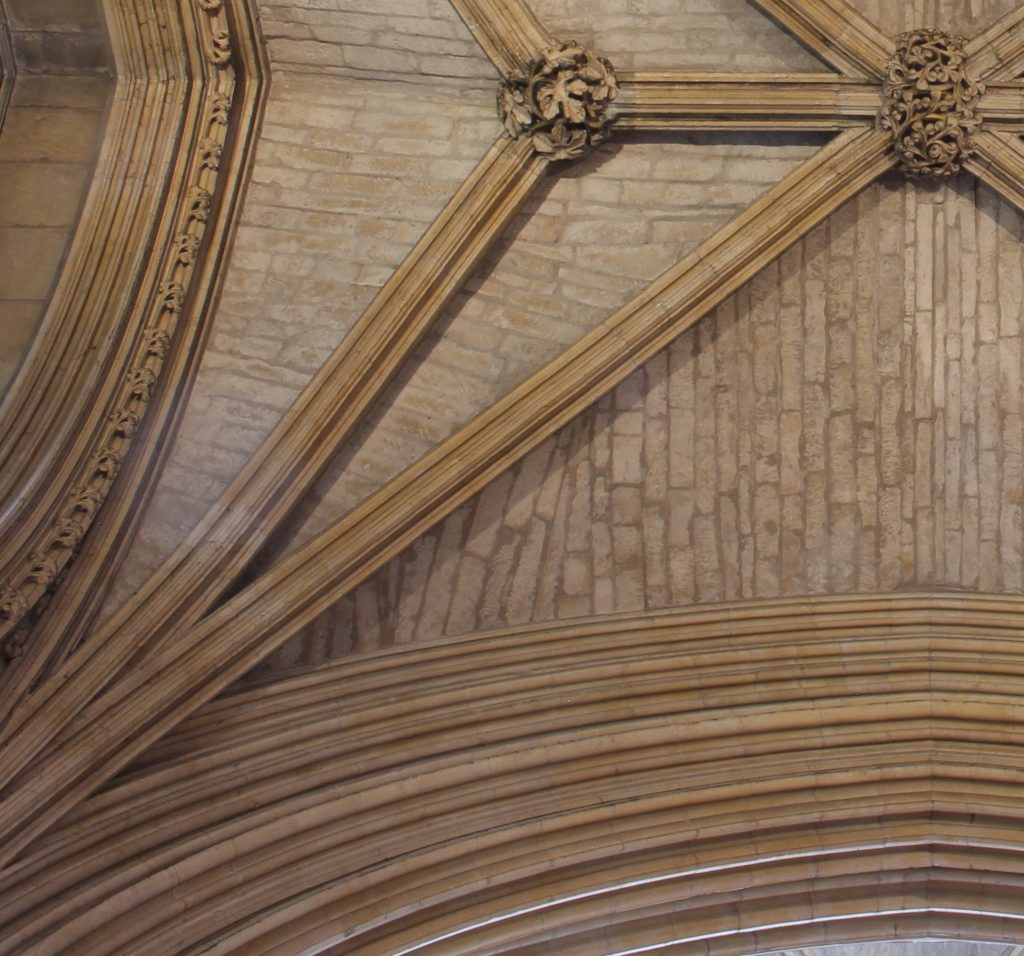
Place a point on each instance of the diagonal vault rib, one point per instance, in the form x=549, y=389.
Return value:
x=194, y=663
x=836, y=32
x=998, y=52
x=506, y=30
x=999, y=163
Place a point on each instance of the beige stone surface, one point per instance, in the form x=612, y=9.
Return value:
x=31, y=257
x=850, y=422
x=349, y=173
x=59, y=36
x=40, y=194
x=677, y=34
x=48, y=133
x=966, y=17
x=47, y=156
x=58, y=92
x=78, y=15
x=595, y=236
x=397, y=40
x=17, y=324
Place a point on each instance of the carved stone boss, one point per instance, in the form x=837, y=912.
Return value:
x=931, y=103
x=562, y=103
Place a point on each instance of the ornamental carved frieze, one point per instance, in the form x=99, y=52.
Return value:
x=562, y=103
x=37, y=573
x=931, y=103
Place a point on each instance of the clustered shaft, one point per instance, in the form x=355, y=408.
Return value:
x=931, y=104
x=562, y=103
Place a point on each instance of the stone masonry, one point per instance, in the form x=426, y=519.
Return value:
x=47, y=157
x=340, y=194
x=353, y=164
x=596, y=235
x=852, y=420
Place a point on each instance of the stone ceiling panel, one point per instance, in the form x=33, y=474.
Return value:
x=58, y=36
x=403, y=39
x=957, y=16
x=595, y=236
x=47, y=158
x=851, y=421
x=720, y=35
x=348, y=175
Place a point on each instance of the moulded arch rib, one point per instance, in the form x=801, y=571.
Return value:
x=488, y=794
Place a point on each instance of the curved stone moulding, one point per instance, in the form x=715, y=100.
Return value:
x=114, y=359
x=851, y=760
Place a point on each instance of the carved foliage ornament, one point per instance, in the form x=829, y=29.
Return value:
x=931, y=101
x=562, y=105
x=41, y=572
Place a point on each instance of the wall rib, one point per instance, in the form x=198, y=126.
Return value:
x=124, y=317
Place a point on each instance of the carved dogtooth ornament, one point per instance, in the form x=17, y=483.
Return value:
x=562, y=104
x=930, y=103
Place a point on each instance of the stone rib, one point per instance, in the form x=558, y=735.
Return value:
x=507, y=31
x=1002, y=107
x=997, y=54
x=669, y=100
x=998, y=162
x=836, y=32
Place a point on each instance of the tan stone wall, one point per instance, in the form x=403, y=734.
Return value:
x=967, y=17
x=385, y=38
x=677, y=34
x=348, y=174
x=596, y=234
x=48, y=151
x=853, y=420
x=58, y=36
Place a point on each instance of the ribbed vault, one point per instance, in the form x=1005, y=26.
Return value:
x=728, y=778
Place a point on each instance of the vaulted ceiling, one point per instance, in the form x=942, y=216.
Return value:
x=411, y=543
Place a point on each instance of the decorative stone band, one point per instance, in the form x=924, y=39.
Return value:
x=31, y=576
x=562, y=104
x=930, y=103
